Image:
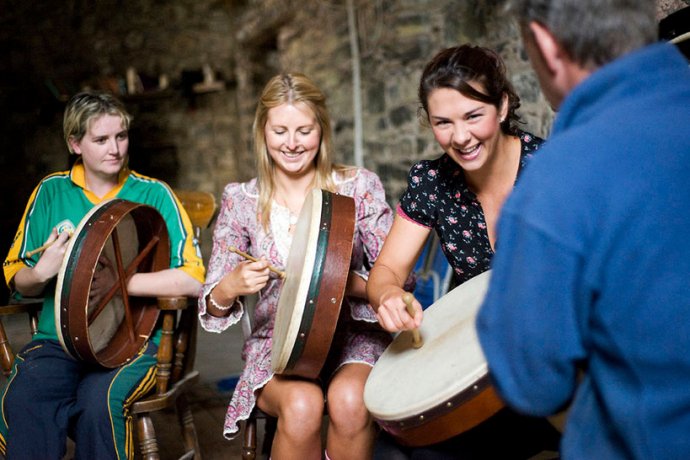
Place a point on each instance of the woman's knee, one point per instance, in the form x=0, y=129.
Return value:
x=302, y=410
x=346, y=405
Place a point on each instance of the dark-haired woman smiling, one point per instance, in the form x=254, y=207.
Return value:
x=471, y=107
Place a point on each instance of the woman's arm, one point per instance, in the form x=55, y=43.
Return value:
x=168, y=282
x=356, y=285
x=30, y=282
x=235, y=223
x=247, y=278
x=386, y=279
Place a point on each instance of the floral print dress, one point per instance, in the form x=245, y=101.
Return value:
x=239, y=225
x=438, y=197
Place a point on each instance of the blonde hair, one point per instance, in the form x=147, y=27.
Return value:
x=291, y=88
x=85, y=107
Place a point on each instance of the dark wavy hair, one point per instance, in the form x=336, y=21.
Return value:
x=456, y=67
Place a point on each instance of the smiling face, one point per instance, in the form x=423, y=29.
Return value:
x=466, y=129
x=103, y=148
x=293, y=137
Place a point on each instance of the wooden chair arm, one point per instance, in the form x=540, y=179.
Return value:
x=32, y=308
x=160, y=401
x=173, y=303
x=13, y=309
x=6, y=354
x=177, y=336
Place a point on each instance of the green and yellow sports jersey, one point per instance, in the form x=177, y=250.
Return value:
x=61, y=200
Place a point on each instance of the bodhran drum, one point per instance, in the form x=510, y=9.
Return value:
x=429, y=394
x=110, y=330
x=315, y=277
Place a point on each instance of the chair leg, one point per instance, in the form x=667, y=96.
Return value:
x=147, y=438
x=270, y=427
x=189, y=437
x=249, y=439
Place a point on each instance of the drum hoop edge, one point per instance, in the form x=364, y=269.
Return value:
x=279, y=359
x=314, y=283
x=440, y=409
x=69, y=262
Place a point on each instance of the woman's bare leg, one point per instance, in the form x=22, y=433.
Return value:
x=299, y=405
x=351, y=429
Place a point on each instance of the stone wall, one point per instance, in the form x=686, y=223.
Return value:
x=666, y=7
x=395, y=39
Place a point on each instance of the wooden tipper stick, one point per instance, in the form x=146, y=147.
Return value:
x=254, y=259
x=416, y=336
x=33, y=251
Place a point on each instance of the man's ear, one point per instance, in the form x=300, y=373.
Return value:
x=565, y=73
x=549, y=50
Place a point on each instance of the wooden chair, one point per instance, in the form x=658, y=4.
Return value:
x=249, y=432
x=175, y=369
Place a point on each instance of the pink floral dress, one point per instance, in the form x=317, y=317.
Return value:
x=238, y=225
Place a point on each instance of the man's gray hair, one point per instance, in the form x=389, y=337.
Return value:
x=592, y=32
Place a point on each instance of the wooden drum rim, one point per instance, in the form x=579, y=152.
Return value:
x=325, y=294
x=444, y=420
x=74, y=282
x=313, y=343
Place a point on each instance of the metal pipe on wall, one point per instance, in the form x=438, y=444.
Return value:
x=356, y=84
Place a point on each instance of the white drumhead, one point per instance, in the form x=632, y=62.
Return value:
x=298, y=274
x=406, y=381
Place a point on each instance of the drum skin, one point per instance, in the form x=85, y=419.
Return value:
x=316, y=275
x=430, y=394
x=134, y=238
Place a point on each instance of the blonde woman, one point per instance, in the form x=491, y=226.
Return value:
x=294, y=151
x=50, y=395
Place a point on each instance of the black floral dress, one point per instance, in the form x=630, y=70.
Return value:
x=438, y=197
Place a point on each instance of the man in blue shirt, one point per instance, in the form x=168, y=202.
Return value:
x=589, y=298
